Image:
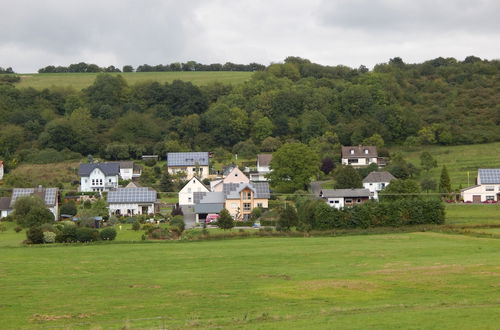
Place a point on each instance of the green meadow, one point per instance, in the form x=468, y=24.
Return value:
x=423, y=280
x=82, y=80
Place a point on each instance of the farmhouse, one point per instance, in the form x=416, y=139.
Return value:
x=132, y=201
x=359, y=155
x=377, y=181
x=99, y=176
x=1, y=169
x=49, y=195
x=192, y=186
x=238, y=198
x=189, y=163
x=263, y=162
x=340, y=198
x=487, y=188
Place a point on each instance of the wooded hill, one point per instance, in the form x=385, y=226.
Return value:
x=441, y=101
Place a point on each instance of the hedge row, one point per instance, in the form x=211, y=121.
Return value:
x=317, y=215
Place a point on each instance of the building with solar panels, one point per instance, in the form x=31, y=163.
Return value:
x=132, y=201
x=190, y=163
x=487, y=189
x=49, y=195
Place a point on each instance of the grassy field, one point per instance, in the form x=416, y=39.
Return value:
x=460, y=160
x=421, y=280
x=46, y=174
x=472, y=214
x=82, y=80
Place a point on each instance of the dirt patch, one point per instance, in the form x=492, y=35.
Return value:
x=48, y=317
x=281, y=276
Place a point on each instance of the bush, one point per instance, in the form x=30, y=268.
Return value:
x=3, y=227
x=108, y=234
x=84, y=234
x=67, y=235
x=49, y=237
x=35, y=235
x=178, y=222
x=136, y=225
x=17, y=229
x=150, y=162
x=225, y=220
x=69, y=208
x=177, y=210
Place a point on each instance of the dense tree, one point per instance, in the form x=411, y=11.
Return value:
x=287, y=218
x=227, y=125
x=293, y=165
x=444, y=181
x=347, y=177
x=225, y=220
x=30, y=211
x=401, y=189
x=428, y=184
x=427, y=161
x=69, y=208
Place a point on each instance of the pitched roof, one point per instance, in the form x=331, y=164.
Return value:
x=187, y=158
x=359, y=151
x=5, y=203
x=192, y=181
x=264, y=159
x=210, y=197
x=208, y=208
x=48, y=195
x=107, y=168
x=383, y=176
x=489, y=175
x=124, y=164
x=337, y=193
x=232, y=190
x=132, y=195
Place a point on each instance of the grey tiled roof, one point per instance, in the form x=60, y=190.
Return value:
x=232, y=190
x=359, y=151
x=108, y=169
x=379, y=177
x=337, y=193
x=48, y=195
x=132, y=195
x=208, y=197
x=489, y=175
x=208, y=208
x=187, y=158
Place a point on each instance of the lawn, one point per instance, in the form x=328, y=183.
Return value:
x=472, y=214
x=420, y=280
x=462, y=161
x=83, y=80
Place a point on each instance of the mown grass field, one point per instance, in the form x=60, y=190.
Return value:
x=83, y=80
x=462, y=162
x=399, y=280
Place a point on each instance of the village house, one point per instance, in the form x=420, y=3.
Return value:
x=49, y=195
x=263, y=162
x=189, y=163
x=487, y=188
x=234, y=175
x=99, y=176
x=377, y=181
x=1, y=169
x=340, y=198
x=238, y=198
x=132, y=201
x=129, y=170
x=192, y=186
x=358, y=156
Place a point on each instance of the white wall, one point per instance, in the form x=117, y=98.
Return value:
x=4, y=213
x=186, y=193
x=467, y=195
x=124, y=207
x=126, y=173
x=190, y=171
x=336, y=202
x=100, y=183
x=361, y=161
x=375, y=187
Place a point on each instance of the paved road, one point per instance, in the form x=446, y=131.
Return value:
x=189, y=216
x=316, y=187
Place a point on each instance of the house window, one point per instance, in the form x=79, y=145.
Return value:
x=93, y=182
x=490, y=188
x=359, y=200
x=348, y=201
x=109, y=180
x=194, y=169
x=336, y=202
x=247, y=195
x=366, y=151
x=189, y=199
x=259, y=204
x=247, y=207
x=331, y=202
x=371, y=184
x=490, y=198
x=352, y=151
x=100, y=182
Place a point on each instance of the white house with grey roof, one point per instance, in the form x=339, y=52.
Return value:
x=99, y=176
x=359, y=156
x=129, y=170
x=189, y=163
x=192, y=186
x=132, y=201
x=377, y=181
x=49, y=195
x=487, y=188
x=340, y=198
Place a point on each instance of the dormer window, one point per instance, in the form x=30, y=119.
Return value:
x=352, y=151
x=366, y=151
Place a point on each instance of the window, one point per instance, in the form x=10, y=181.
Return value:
x=194, y=169
x=86, y=180
x=247, y=207
x=93, y=182
x=348, y=201
x=359, y=200
x=336, y=202
x=259, y=204
x=235, y=174
x=247, y=195
x=366, y=151
x=100, y=182
x=331, y=202
x=490, y=198
x=371, y=184
x=109, y=180
x=352, y=151
x=490, y=188
x=189, y=199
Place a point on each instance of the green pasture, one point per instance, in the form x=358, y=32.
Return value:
x=462, y=161
x=82, y=80
x=420, y=280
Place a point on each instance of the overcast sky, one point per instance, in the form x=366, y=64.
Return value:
x=37, y=33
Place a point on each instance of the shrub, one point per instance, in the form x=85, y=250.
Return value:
x=35, y=235
x=178, y=222
x=136, y=225
x=69, y=208
x=84, y=234
x=67, y=235
x=49, y=237
x=108, y=234
x=150, y=162
x=177, y=210
x=17, y=229
x=225, y=220
x=3, y=227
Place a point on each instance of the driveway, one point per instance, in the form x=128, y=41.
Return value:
x=189, y=216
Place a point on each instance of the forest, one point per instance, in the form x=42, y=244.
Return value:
x=440, y=101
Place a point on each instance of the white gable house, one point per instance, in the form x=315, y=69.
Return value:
x=99, y=176
x=487, y=189
x=192, y=186
x=377, y=181
x=359, y=156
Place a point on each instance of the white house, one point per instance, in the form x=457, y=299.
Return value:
x=132, y=201
x=376, y=181
x=48, y=195
x=340, y=198
x=99, y=176
x=189, y=163
x=192, y=186
x=263, y=162
x=128, y=170
x=487, y=188
x=1, y=169
x=359, y=155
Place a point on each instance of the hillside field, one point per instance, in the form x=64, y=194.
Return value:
x=82, y=80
